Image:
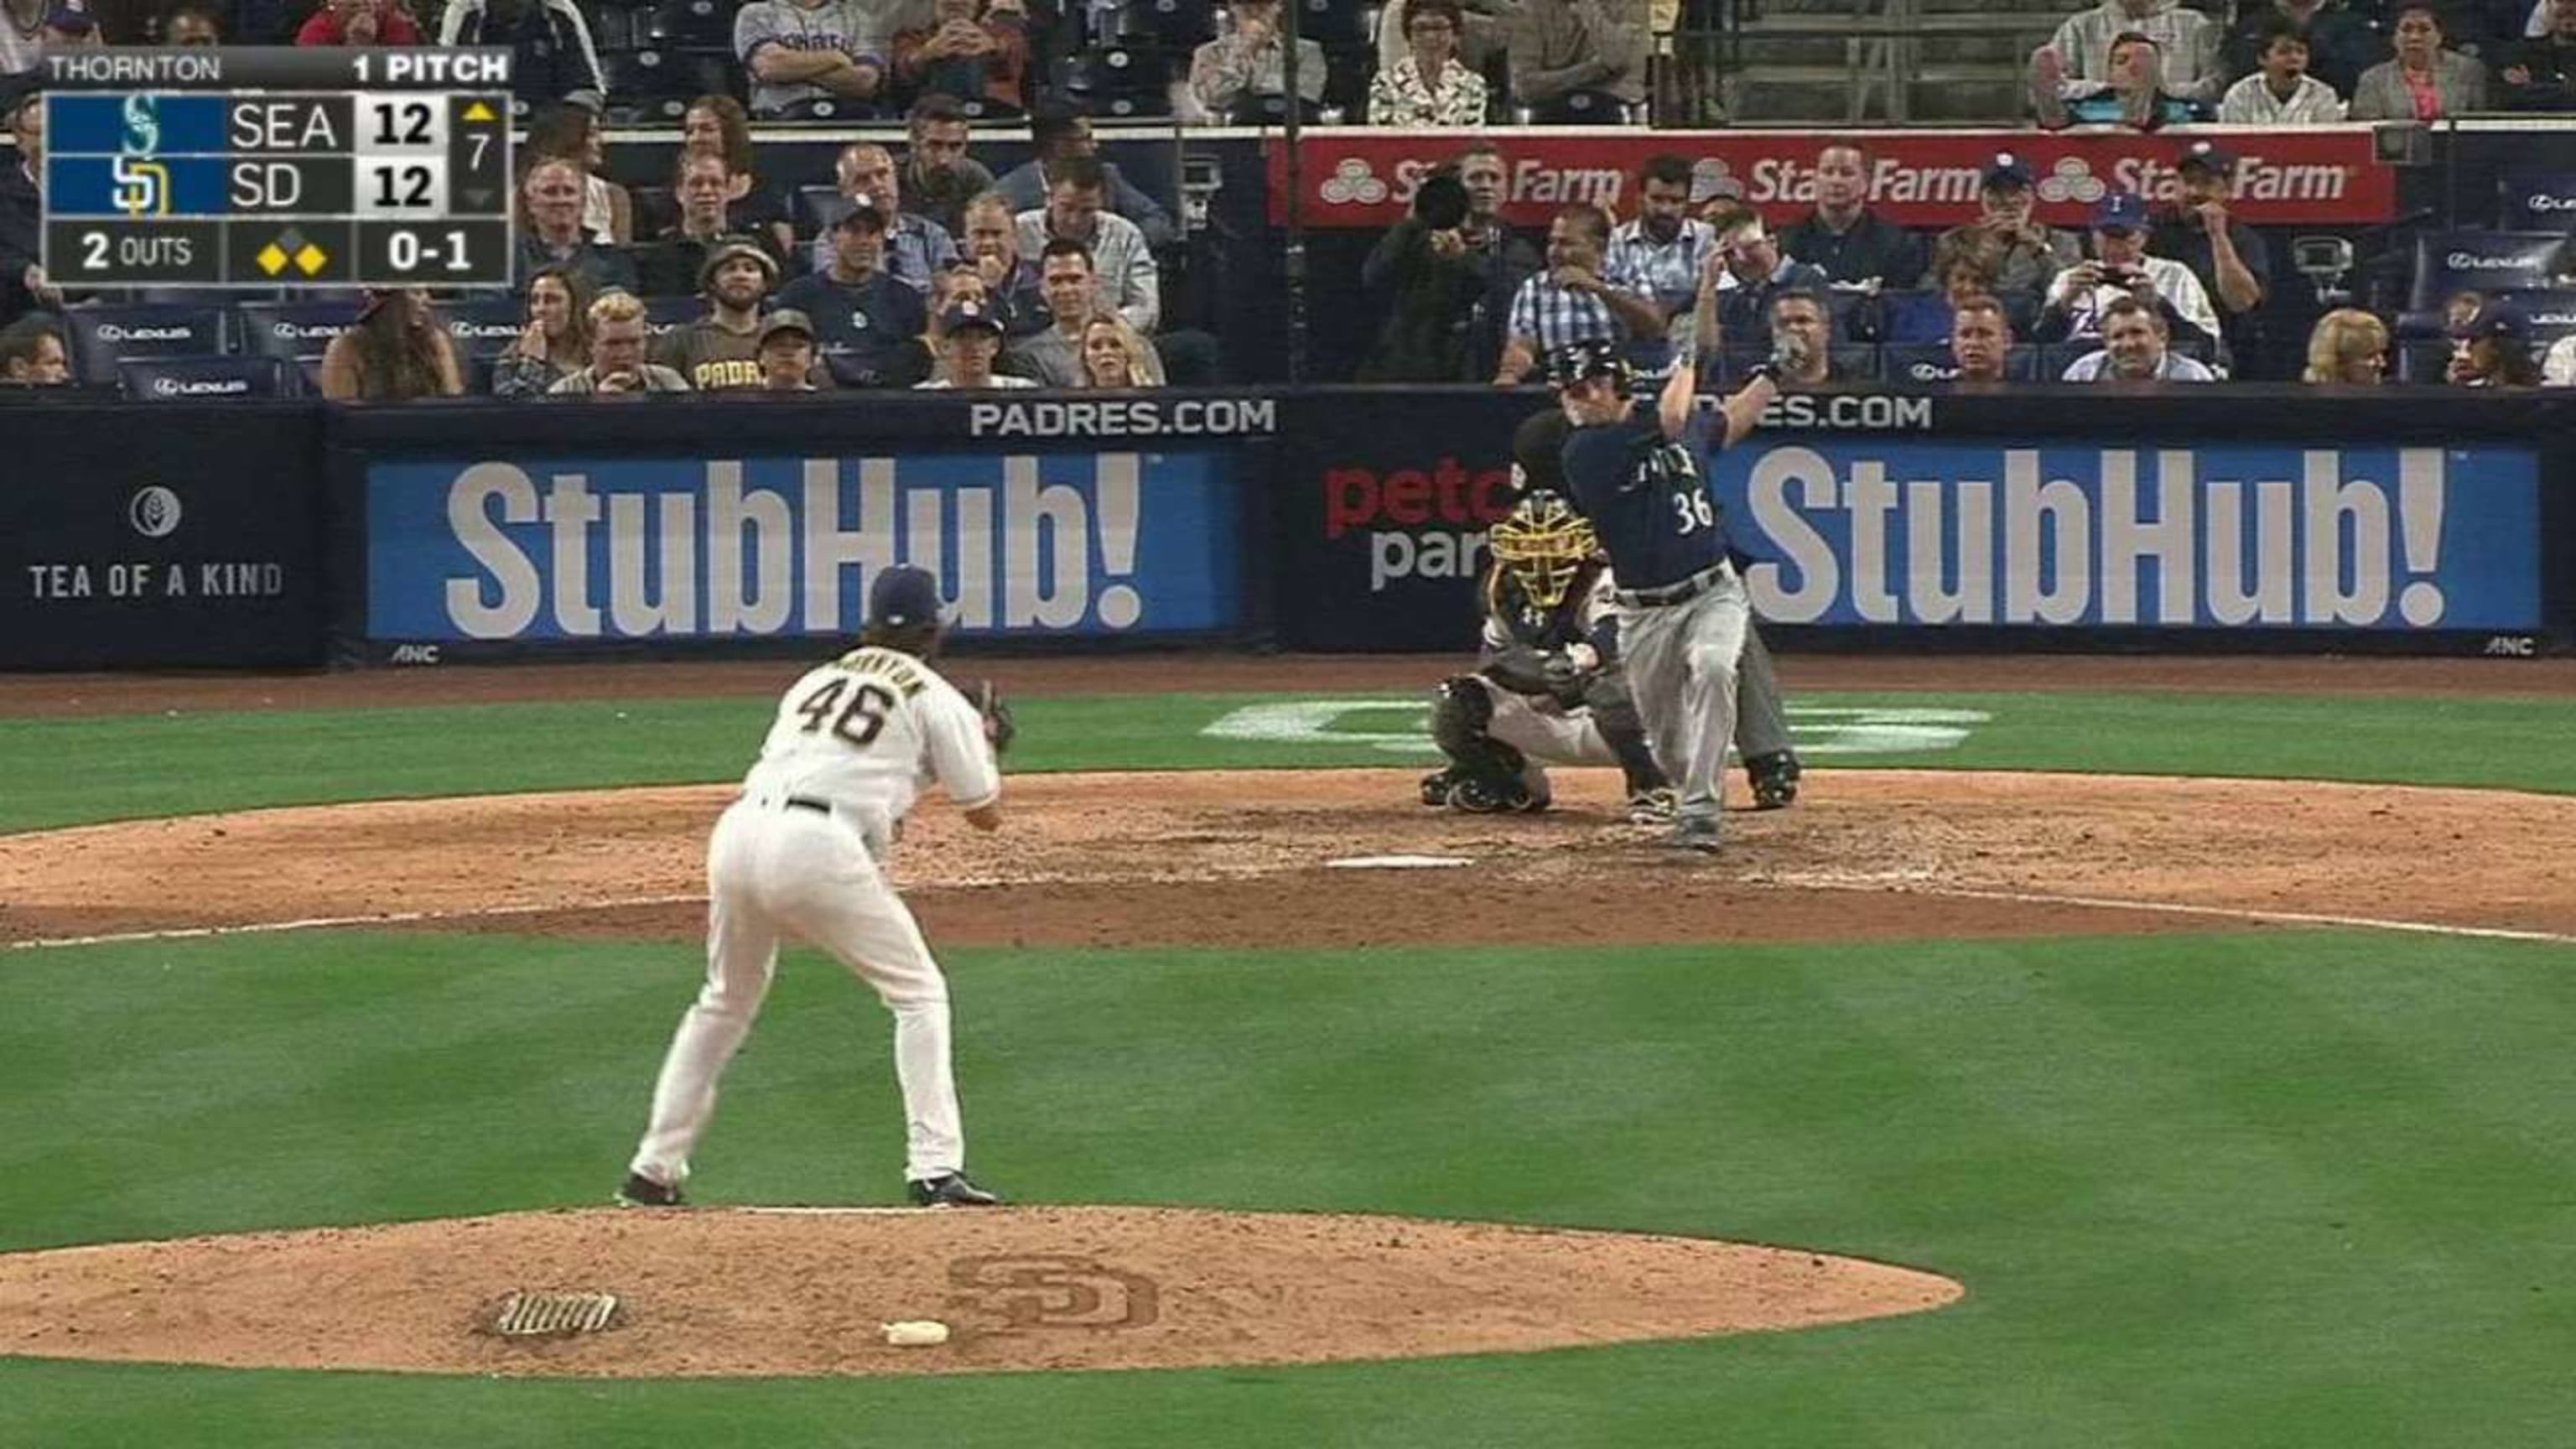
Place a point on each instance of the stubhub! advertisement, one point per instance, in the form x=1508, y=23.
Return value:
x=1126, y=543
x=2369, y=538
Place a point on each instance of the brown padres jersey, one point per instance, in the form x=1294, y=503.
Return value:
x=709, y=356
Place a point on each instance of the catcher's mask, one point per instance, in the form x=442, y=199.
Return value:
x=1543, y=544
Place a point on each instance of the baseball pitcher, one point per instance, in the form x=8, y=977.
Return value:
x=802, y=854
x=1549, y=688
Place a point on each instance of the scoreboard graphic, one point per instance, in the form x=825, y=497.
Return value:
x=279, y=169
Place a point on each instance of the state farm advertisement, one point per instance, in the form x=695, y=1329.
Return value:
x=1366, y=178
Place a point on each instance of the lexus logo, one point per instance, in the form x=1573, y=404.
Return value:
x=153, y=511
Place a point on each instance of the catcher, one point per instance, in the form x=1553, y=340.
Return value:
x=1761, y=723
x=1548, y=689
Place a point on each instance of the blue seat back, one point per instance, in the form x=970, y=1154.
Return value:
x=103, y=337
x=195, y=379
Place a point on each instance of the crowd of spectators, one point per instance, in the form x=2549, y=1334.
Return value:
x=1057, y=263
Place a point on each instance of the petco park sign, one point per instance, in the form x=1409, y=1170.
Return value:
x=1358, y=178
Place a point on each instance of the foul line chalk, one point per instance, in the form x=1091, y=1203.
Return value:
x=2027, y=898
x=2285, y=918
x=342, y=923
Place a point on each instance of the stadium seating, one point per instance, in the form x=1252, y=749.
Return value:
x=817, y=207
x=1850, y=363
x=194, y=379
x=1332, y=23
x=2536, y=201
x=1580, y=108
x=2485, y=261
x=294, y=331
x=662, y=314
x=484, y=327
x=1926, y=362
x=1172, y=26
x=2423, y=361
x=1117, y=81
x=104, y=337
x=691, y=25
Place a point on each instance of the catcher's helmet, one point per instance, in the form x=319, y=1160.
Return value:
x=1543, y=544
x=1577, y=361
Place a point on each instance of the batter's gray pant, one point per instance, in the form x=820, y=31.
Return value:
x=1761, y=718
x=1682, y=669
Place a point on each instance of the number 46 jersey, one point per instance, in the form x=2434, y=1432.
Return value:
x=867, y=732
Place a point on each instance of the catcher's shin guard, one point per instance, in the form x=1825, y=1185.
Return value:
x=1461, y=713
x=1614, y=714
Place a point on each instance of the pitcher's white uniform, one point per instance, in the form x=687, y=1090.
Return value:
x=803, y=853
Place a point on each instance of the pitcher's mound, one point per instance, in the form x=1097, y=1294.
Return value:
x=794, y=1292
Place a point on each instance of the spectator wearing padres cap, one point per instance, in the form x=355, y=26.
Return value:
x=787, y=352
x=863, y=317
x=970, y=338
x=722, y=348
x=2228, y=258
x=2492, y=348
x=2025, y=252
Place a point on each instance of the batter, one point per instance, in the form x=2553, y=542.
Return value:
x=1762, y=742
x=801, y=854
x=1637, y=471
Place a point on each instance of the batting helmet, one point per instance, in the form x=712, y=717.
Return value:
x=1543, y=544
x=1576, y=362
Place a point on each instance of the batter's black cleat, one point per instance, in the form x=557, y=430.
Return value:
x=1775, y=780
x=1697, y=835
x=642, y=1191
x=952, y=1190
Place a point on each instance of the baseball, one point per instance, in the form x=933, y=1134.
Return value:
x=916, y=1333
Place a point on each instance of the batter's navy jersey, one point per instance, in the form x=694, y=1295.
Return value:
x=1647, y=497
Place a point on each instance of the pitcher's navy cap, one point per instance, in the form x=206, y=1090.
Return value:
x=903, y=597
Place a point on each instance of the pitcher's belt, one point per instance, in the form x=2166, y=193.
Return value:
x=1666, y=595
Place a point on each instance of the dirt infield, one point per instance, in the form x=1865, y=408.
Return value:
x=755, y=1293
x=1232, y=858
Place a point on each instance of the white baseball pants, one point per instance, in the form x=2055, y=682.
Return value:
x=775, y=871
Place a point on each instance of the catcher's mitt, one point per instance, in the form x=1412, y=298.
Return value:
x=999, y=727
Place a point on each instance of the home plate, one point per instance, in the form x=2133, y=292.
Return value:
x=1396, y=862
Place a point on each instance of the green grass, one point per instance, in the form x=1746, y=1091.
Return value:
x=69, y=771
x=2261, y=1189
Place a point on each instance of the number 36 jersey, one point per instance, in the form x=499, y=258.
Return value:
x=867, y=732
x=1647, y=497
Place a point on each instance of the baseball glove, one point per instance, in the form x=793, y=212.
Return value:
x=999, y=726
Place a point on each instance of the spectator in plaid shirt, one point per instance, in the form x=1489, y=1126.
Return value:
x=1666, y=247
x=1579, y=298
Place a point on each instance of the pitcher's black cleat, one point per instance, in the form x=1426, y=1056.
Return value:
x=951, y=1190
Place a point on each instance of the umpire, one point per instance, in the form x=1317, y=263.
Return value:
x=1761, y=718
